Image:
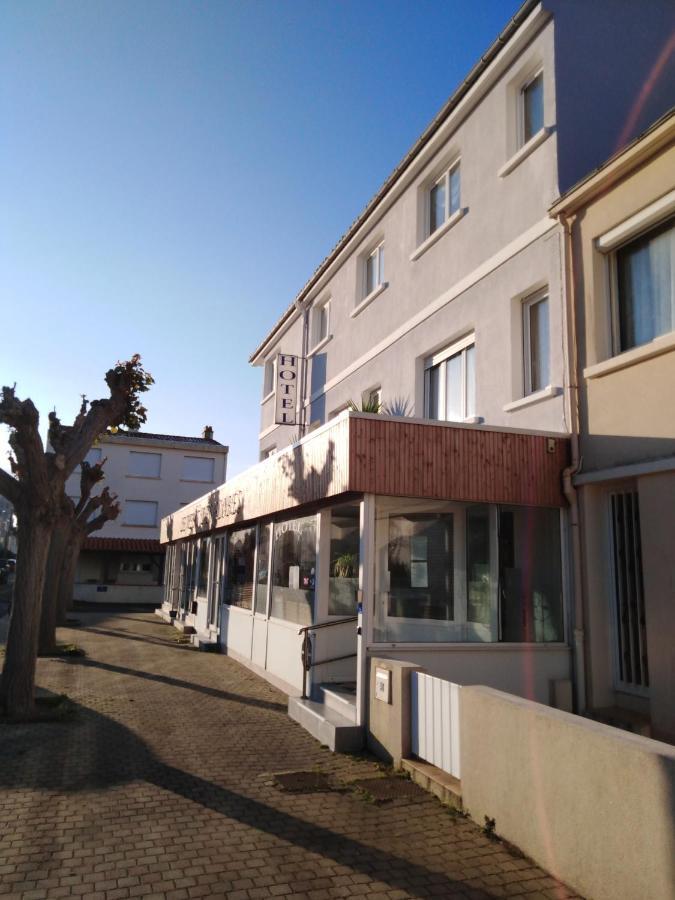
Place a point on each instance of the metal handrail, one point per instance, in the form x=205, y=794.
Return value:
x=306, y=648
x=329, y=624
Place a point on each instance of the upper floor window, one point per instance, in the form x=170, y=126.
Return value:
x=645, y=287
x=532, y=107
x=450, y=382
x=444, y=198
x=141, y=513
x=536, y=354
x=268, y=377
x=374, y=270
x=320, y=323
x=144, y=465
x=197, y=468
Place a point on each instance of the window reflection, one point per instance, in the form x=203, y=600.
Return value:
x=294, y=570
x=344, y=560
x=240, y=559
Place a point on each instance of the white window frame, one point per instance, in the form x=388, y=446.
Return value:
x=272, y=363
x=318, y=339
x=366, y=396
x=438, y=358
x=613, y=278
x=526, y=304
x=127, y=507
x=137, y=453
x=445, y=177
x=377, y=253
x=532, y=76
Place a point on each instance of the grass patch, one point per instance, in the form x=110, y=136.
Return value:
x=65, y=650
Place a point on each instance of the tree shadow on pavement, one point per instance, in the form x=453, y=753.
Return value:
x=95, y=752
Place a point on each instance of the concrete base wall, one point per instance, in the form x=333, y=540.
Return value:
x=593, y=805
x=119, y=593
x=389, y=734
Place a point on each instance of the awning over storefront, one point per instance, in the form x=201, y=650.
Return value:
x=362, y=453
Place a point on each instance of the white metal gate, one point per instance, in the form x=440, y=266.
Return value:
x=435, y=721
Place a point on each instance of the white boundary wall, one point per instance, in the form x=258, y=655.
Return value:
x=435, y=721
x=593, y=805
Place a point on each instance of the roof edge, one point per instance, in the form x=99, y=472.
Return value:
x=455, y=98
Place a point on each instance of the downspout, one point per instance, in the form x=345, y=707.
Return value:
x=303, y=308
x=573, y=469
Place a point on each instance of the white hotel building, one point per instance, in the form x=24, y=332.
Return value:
x=438, y=531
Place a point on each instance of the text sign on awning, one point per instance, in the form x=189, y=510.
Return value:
x=288, y=369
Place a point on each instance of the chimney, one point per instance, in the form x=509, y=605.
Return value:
x=207, y=433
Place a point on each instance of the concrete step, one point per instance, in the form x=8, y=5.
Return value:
x=339, y=697
x=183, y=628
x=338, y=733
x=446, y=787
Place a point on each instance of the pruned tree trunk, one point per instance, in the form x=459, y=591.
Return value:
x=50, y=593
x=18, y=673
x=67, y=579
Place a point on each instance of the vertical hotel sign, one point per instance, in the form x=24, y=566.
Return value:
x=288, y=368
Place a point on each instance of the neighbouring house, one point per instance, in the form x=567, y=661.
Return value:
x=152, y=475
x=438, y=532
x=621, y=220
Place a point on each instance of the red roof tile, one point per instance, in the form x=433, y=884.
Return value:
x=128, y=545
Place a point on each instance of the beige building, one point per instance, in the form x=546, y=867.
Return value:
x=152, y=475
x=621, y=275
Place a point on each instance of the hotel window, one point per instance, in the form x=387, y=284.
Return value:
x=142, y=513
x=320, y=322
x=240, y=561
x=644, y=281
x=450, y=382
x=536, y=353
x=531, y=107
x=202, y=578
x=268, y=378
x=444, y=198
x=197, y=468
x=374, y=270
x=144, y=465
x=294, y=570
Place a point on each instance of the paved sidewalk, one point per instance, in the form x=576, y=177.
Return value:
x=161, y=786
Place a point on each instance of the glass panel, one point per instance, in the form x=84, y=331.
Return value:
x=434, y=393
x=263, y=573
x=380, y=265
x=646, y=276
x=533, y=107
x=371, y=273
x=454, y=190
x=294, y=570
x=202, y=582
x=344, y=560
x=454, y=407
x=470, y=374
x=478, y=573
x=530, y=574
x=539, y=345
x=437, y=206
x=240, y=559
x=420, y=561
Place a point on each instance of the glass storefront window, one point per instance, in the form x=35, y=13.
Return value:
x=240, y=560
x=530, y=574
x=458, y=572
x=344, y=560
x=202, y=580
x=263, y=571
x=294, y=570
x=420, y=559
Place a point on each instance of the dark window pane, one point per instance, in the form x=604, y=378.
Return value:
x=420, y=556
x=478, y=580
x=530, y=574
x=533, y=107
x=240, y=559
x=437, y=206
x=263, y=573
x=344, y=560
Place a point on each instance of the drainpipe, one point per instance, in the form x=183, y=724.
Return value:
x=303, y=308
x=573, y=469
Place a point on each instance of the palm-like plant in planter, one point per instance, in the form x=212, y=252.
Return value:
x=345, y=566
x=344, y=585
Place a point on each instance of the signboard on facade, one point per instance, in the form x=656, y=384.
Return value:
x=288, y=373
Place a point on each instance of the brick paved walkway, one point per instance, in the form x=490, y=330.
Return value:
x=161, y=786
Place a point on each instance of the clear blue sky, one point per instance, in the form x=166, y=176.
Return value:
x=172, y=172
